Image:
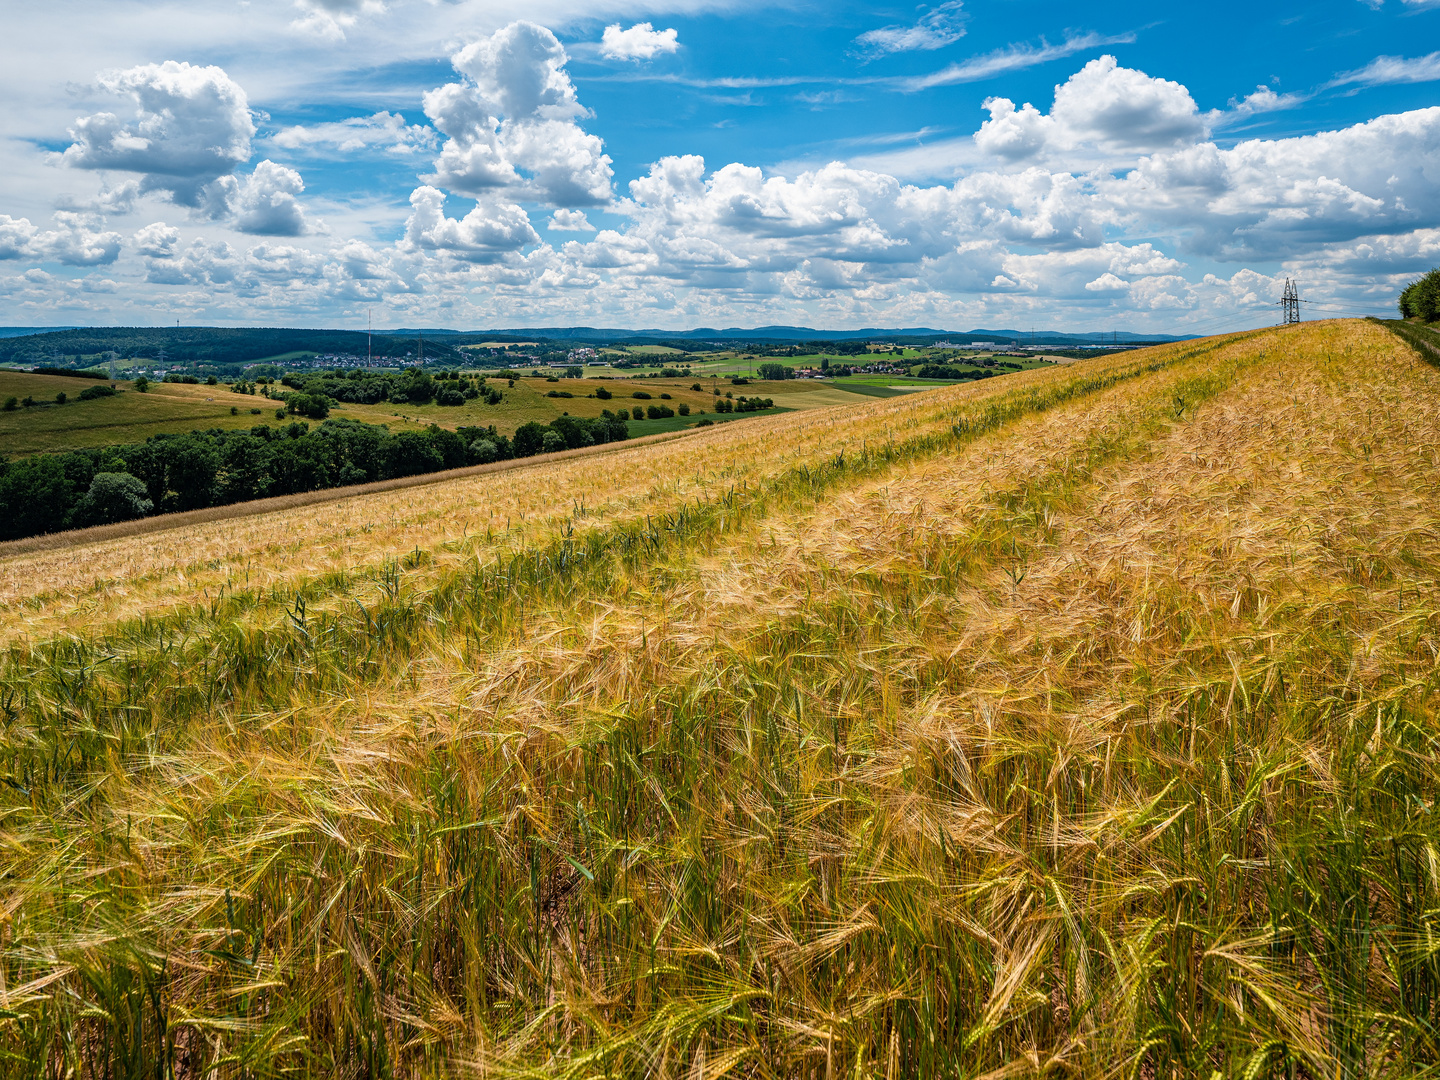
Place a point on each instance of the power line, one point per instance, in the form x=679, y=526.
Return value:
x=1290, y=303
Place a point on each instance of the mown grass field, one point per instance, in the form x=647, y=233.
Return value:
x=126, y=417
x=1076, y=723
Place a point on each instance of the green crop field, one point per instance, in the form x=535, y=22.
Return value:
x=1077, y=723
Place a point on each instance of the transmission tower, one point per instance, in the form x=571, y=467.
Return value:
x=1290, y=303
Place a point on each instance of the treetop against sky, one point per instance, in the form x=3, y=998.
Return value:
x=467, y=164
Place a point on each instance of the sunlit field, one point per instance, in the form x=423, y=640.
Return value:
x=1080, y=722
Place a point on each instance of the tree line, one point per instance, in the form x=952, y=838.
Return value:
x=1421, y=299
x=167, y=473
x=413, y=386
x=211, y=345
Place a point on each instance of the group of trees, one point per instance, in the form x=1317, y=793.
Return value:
x=413, y=386
x=728, y=404
x=96, y=486
x=1421, y=299
x=947, y=371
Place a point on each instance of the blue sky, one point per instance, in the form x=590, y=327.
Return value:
x=452, y=163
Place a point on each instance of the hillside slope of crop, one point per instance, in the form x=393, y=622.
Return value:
x=1077, y=723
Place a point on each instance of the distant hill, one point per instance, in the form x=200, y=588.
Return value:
x=210, y=345
x=223, y=347
x=806, y=333
x=30, y=331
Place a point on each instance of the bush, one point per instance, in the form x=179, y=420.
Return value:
x=112, y=497
x=211, y=380
x=552, y=442
x=190, y=380
x=684, y=410
x=11, y=404
x=739, y=380
x=484, y=451
x=659, y=412
x=90, y=393
x=641, y=394
x=60, y=398
x=603, y=394
x=142, y=384
x=695, y=386
x=450, y=397
x=279, y=414
x=234, y=411
x=254, y=412
x=665, y=397
x=707, y=422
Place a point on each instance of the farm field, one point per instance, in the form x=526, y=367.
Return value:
x=1080, y=722
x=127, y=417
x=168, y=408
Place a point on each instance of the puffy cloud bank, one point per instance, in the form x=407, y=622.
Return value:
x=1094, y=206
x=192, y=129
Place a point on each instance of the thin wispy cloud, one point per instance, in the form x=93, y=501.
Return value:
x=1012, y=58
x=1263, y=100
x=383, y=130
x=1386, y=70
x=938, y=27
x=975, y=69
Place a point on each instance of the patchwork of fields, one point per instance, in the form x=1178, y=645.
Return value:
x=171, y=408
x=1078, y=722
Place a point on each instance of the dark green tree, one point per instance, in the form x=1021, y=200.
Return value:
x=112, y=497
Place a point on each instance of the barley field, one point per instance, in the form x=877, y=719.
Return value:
x=1076, y=723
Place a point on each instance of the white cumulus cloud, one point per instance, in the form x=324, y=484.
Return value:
x=1103, y=105
x=570, y=221
x=486, y=234
x=641, y=42
x=76, y=241
x=192, y=126
x=514, y=123
x=265, y=202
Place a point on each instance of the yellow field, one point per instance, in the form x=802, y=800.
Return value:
x=1075, y=723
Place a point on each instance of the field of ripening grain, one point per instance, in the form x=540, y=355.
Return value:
x=1080, y=722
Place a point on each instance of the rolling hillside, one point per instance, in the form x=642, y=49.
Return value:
x=1080, y=722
